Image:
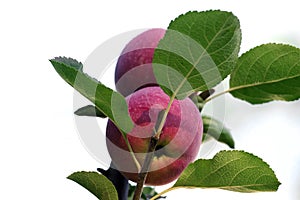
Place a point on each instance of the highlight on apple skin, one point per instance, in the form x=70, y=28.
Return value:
x=178, y=145
x=134, y=68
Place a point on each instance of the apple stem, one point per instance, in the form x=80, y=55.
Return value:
x=145, y=168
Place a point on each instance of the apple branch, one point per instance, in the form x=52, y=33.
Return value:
x=161, y=118
x=143, y=173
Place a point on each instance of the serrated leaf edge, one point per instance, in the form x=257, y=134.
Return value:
x=236, y=88
x=226, y=187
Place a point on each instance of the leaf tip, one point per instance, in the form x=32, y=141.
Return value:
x=71, y=176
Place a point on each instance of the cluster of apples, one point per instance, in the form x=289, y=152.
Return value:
x=181, y=135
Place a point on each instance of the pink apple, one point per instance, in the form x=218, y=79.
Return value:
x=134, y=68
x=178, y=144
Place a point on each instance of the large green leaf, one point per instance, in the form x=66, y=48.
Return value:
x=216, y=129
x=230, y=170
x=197, y=52
x=110, y=103
x=266, y=73
x=96, y=183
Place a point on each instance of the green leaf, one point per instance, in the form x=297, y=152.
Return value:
x=96, y=183
x=216, y=129
x=112, y=104
x=90, y=111
x=230, y=170
x=197, y=52
x=266, y=73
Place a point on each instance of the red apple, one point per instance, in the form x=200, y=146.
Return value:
x=134, y=68
x=178, y=144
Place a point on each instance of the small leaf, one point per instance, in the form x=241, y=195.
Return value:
x=197, y=52
x=110, y=103
x=216, y=129
x=230, y=170
x=90, y=111
x=96, y=183
x=266, y=73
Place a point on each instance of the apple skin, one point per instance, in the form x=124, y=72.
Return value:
x=134, y=68
x=179, y=141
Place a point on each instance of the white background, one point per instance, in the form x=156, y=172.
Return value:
x=39, y=145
